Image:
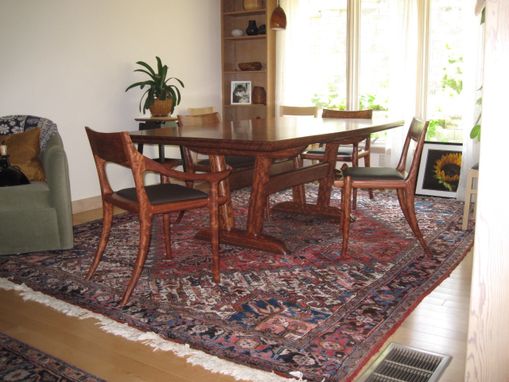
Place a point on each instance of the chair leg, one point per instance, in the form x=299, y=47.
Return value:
x=103, y=241
x=345, y=214
x=167, y=235
x=355, y=163
x=408, y=201
x=145, y=230
x=367, y=163
x=214, y=235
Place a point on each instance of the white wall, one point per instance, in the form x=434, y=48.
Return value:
x=71, y=60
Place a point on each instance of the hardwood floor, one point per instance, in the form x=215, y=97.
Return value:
x=438, y=324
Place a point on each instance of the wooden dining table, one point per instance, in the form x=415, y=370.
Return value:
x=269, y=141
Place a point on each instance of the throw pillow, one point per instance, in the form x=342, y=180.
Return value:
x=23, y=151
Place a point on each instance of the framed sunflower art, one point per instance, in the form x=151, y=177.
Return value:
x=439, y=171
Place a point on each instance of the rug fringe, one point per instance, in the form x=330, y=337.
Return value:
x=194, y=357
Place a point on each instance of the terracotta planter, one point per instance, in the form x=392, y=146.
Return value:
x=161, y=108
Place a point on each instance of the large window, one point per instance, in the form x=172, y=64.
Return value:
x=401, y=56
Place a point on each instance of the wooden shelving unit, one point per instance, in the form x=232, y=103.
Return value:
x=235, y=50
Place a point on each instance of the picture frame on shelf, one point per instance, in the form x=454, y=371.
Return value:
x=240, y=92
x=439, y=170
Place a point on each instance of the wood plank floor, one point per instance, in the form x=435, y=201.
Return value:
x=438, y=324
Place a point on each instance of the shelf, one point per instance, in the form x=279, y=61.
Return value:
x=246, y=13
x=246, y=38
x=247, y=48
x=245, y=105
x=245, y=71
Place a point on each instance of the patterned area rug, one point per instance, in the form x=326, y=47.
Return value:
x=21, y=362
x=309, y=311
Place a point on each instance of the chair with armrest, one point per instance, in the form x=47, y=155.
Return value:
x=37, y=216
x=351, y=151
x=238, y=163
x=200, y=110
x=298, y=110
x=387, y=178
x=149, y=201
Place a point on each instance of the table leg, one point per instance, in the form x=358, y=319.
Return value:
x=252, y=236
x=322, y=206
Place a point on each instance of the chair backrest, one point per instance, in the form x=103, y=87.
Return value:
x=298, y=110
x=363, y=114
x=416, y=136
x=116, y=148
x=198, y=120
x=200, y=110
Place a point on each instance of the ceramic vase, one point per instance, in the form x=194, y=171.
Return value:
x=252, y=29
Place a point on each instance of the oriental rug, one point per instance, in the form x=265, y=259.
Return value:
x=309, y=313
x=21, y=362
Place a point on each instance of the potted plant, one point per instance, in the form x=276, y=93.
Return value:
x=161, y=97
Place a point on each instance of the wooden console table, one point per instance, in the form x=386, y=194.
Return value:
x=156, y=123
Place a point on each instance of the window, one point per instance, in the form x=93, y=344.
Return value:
x=400, y=56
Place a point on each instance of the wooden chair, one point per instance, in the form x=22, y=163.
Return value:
x=200, y=110
x=388, y=178
x=238, y=163
x=347, y=153
x=298, y=110
x=148, y=201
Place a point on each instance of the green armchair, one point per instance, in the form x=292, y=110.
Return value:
x=37, y=216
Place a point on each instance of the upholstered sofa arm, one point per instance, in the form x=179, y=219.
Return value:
x=54, y=161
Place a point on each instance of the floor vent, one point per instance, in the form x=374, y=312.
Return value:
x=398, y=363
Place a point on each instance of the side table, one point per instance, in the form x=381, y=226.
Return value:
x=156, y=123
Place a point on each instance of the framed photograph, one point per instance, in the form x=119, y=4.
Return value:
x=241, y=92
x=439, y=171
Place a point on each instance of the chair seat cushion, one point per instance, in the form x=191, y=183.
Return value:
x=368, y=173
x=342, y=150
x=25, y=197
x=165, y=193
x=233, y=161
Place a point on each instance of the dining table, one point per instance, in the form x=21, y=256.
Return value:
x=270, y=141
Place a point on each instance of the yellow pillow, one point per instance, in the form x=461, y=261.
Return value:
x=23, y=151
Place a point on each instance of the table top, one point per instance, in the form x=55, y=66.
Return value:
x=156, y=119
x=265, y=135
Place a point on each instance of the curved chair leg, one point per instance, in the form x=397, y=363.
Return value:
x=355, y=163
x=408, y=199
x=345, y=214
x=367, y=163
x=145, y=228
x=103, y=241
x=214, y=235
x=167, y=235
x=402, y=203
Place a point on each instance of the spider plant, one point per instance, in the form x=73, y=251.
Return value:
x=158, y=85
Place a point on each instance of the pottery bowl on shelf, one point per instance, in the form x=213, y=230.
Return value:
x=237, y=32
x=255, y=65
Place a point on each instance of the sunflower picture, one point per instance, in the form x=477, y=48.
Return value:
x=439, y=173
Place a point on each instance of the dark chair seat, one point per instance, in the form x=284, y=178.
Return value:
x=374, y=173
x=232, y=161
x=342, y=150
x=164, y=193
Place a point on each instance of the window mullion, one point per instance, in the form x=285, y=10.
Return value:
x=422, y=58
x=352, y=51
